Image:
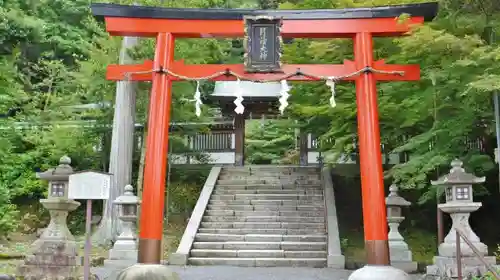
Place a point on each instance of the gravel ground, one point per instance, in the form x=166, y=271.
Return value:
x=261, y=273
x=258, y=273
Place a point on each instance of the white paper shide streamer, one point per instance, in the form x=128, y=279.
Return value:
x=284, y=96
x=331, y=83
x=197, y=99
x=240, y=109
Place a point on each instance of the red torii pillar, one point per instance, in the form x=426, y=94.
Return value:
x=166, y=24
x=370, y=156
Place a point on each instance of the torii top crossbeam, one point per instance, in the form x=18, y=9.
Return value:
x=358, y=24
x=122, y=20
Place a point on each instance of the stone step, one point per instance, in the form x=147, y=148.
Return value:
x=224, y=191
x=250, y=207
x=267, y=202
x=262, y=167
x=258, y=176
x=244, y=245
x=265, y=179
x=214, y=237
x=295, y=213
x=209, y=253
x=273, y=168
x=269, y=187
x=263, y=216
x=313, y=197
x=294, y=179
x=281, y=231
x=264, y=219
x=287, y=225
x=260, y=262
x=272, y=181
x=284, y=171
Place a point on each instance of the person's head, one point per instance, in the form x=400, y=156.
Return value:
x=147, y=272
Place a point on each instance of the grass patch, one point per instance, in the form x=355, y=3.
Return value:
x=422, y=244
x=172, y=238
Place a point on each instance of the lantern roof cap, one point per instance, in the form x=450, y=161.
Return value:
x=127, y=197
x=458, y=175
x=393, y=199
x=61, y=172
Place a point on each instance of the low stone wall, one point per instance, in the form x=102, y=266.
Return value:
x=335, y=257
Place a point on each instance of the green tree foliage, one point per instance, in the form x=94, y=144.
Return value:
x=54, y=54
x=268, y=142
x=445, y=115
x=40, y=43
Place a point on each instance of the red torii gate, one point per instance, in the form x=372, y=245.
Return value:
x=360, y=24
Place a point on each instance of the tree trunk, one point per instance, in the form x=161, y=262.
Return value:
x=122, y=143
x=140, y=176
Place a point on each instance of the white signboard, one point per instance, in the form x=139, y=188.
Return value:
x=89, y=185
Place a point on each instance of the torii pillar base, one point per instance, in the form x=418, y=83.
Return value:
x=147, y=271
x=375, y=272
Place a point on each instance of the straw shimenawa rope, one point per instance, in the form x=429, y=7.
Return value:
x=228, y=72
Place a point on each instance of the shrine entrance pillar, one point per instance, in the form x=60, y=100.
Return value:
x=151, y=225
x=372, y=180
x=239, y=135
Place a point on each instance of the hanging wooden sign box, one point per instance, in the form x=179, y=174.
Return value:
x=263, y=44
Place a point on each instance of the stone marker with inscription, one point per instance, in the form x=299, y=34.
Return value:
x=263, y=44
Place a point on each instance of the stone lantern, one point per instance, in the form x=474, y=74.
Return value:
x=55, y=252
x=124, y=250
x=400, y=254
x=459, y=204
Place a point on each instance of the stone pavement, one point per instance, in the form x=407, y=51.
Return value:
x=260, y=273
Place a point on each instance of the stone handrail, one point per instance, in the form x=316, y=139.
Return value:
x=180, y=257
x=335, y=257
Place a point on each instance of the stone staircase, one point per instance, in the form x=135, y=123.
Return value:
x=263, y=216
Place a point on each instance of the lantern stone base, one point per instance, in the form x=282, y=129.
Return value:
x=447, y=266
x=408, y=267
x=370, y=272
x=52, y=260
x=122, y=255
x=449, y=247
x=401, y=256
x=125, y=248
